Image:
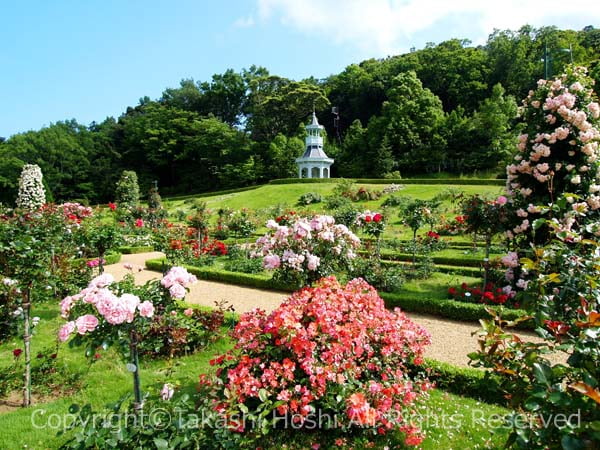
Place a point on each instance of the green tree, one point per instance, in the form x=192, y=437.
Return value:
x=412, y=121
x=277, y=105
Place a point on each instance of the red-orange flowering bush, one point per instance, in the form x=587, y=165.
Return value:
x=331, y=352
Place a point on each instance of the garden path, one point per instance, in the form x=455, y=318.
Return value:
x=451, y=339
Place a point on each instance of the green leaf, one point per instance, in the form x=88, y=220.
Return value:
x=263, y=395
x=542, y=373
x=161, y=443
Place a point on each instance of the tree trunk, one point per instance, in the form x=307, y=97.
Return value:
x=486, y=261
x=414, y=249
x=135, y=370
x=27, y=346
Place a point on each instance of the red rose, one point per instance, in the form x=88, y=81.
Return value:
x=452, y=291
x=17, y=352
x=488, y=295
x=112, y=206
x=377, y=218
x=367, y=219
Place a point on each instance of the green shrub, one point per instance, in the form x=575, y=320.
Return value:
x=465, y=381
x=336, y=202
x=309, y=198
x=383, y=278
x=112, y=257
x=130, y=250
x=395, y=200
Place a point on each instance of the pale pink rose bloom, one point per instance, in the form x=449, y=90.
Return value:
x=101, y=281
x=130, y=302
x=271, y=262
x=65, y=306
x=511, y=260
x=65, y=331
x=501, y=200
x=167, y=392
x=177, y=291
x=594, y=110
x=272, y=225
x=313, y=262
x=146, y=309
x=188, y=312
x=117, y=315
x=86, y=323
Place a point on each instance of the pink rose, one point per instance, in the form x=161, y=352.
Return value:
x=87, y=323
x=271, y=262
x=65, y=331
x=313, y=262
x=167, y=391
x=501, y=200
x=146, y=309
x=102, y=281
x=188, y=312
x=177, y=291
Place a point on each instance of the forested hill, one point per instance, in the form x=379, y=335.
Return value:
x=448, y=107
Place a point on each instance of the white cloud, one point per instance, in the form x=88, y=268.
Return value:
x=387, y=26
x=244, y=22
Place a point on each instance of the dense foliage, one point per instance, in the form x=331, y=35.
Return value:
x=446, y=107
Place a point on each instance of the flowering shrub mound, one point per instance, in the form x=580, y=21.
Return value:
x=330, y=351
x=307, y=250
x=32, y=194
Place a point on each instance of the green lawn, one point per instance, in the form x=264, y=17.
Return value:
x=288, y=194
x=450, y=421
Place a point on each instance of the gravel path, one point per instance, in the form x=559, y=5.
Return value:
x=451, y=339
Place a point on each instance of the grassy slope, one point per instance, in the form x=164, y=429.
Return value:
x=107, y=380
x=269, y=195
x=288, y=194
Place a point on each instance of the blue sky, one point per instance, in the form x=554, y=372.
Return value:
x=89, y=59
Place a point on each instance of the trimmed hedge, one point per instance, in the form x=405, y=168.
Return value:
x=111, y=258
x=452, y=309
x=445, y=260
x=129, y=250
x=467, y=381
x=454, y=270
x=449, y=181
x=224, y=276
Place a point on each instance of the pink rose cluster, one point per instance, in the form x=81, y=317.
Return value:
x=71, y=209
x=321, y=344
x=560, y=150
x=115, y=310
x=177, y=280
x=304, y=244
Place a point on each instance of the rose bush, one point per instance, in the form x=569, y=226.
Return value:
x=306, y=250
x=332, y=350
x=120, y=314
